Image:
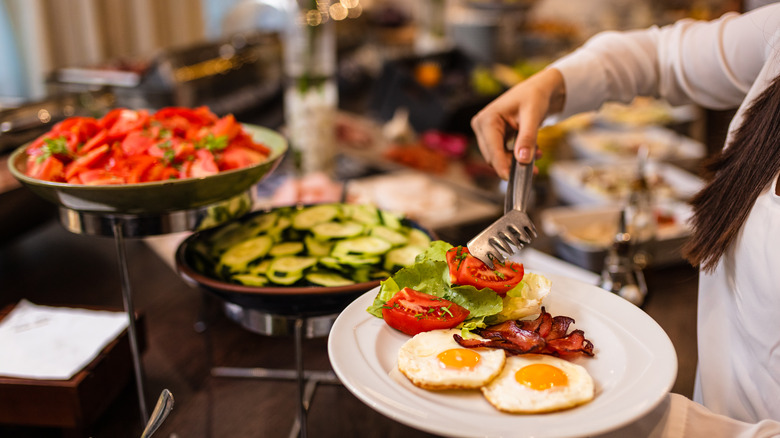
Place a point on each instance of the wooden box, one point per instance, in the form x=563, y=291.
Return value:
x=75, y=403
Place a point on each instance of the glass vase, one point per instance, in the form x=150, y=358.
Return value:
x=311, y=91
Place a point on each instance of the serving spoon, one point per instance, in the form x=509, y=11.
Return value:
x=159, y=414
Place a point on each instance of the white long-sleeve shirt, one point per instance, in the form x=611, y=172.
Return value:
x=721, y=64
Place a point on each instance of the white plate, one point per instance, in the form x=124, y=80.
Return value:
x=634, y=367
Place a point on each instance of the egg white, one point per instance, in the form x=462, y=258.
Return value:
x=506, y=394
x=417, y=360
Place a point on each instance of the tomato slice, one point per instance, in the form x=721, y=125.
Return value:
x=95, y=177
x=88, y=161
x=83, y=128
x=415, y=312
x=204, y=164
x=226, y=126
x=237, y=157
x=200, y=116
x=49, y=169
x=97, y=140
x=465, y=269
x=125, y=121
x=136, y=143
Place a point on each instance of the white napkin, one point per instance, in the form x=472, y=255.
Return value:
x=42, y=342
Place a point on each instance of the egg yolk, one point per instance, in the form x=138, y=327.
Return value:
x=540, y=376
x=458, y=358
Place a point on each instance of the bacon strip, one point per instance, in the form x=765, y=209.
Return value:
x=545, y=334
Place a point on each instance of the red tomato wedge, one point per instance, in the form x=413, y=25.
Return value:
x=465, y=269
x=49, y=169
x=133, y=146
x=412, y=312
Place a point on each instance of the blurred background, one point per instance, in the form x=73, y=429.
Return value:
x=388, y=124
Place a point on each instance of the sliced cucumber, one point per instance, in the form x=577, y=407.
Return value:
x=286, y=249
x=402, y=257
x=251, y=280
x=363, y=213
x=316, y=247
x=328, y=279
x=417, y=237
x=358, y=261
x=293, y=264
x=283, y=246
x=239, y=256
x=280, y=227
x=310, y=216
x=391, y=220
x=262, y=222
x=284, y=278
x=289, y=269
x=332, y=263
x=362, y=246
x=261, y=268
x=396, y=238
x=337, y=230
x=232, y=234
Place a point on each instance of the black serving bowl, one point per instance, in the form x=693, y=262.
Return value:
x=197, y=268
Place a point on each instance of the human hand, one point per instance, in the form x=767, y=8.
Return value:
x=521, y=109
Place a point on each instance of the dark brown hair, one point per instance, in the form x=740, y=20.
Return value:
x=739, y=173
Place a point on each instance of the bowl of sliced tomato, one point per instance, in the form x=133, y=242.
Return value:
x=139, y=162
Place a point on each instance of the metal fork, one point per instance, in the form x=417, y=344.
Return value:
x=514, y=229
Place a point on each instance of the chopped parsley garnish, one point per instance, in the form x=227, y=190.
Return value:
x=53, y=146
x=168, y=153
x=212, y=143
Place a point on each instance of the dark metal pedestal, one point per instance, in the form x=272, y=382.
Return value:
x=299, y=327
x=121, y=226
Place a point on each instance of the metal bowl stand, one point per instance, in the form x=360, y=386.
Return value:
x=121, y=226
x=300, y=327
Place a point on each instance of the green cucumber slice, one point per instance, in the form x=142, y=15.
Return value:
x=337, y=230
x=391, y=220
x=284, y=278
x=239, y=256
x=328, y=279
x=286, y=249
x=308, y=217
x=363, y=213
x=291, y=264
x=316, y=247
x=363, y=246
x=417, y=237
x=394, y=237
x=402, y=257
x=251, y=280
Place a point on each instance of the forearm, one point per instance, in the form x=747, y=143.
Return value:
x=712, y=63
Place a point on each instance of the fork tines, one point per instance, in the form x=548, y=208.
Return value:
x=514, y=236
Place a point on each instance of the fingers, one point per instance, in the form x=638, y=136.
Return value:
x=490, y=128
x=530, y=119
x=522, y=108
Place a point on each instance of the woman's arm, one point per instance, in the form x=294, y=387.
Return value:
x=712, y=64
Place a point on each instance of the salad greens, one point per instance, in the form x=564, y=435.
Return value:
x=430, y=274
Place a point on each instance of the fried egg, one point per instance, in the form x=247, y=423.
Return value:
x=535, y=383
x=433, y=360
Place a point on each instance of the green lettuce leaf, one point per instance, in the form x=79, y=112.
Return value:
x=430, y=274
